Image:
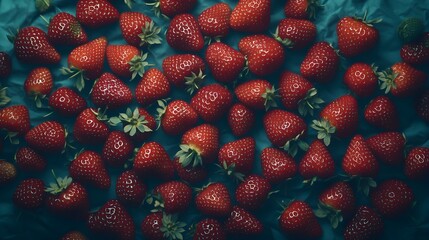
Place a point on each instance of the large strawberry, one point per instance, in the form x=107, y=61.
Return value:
x=7, y=172
x=90, y=127
x=257, y=94
x=298, y=220
x=277, y=166
x=417, y=163
x=317, y=163
x=88, y=168
x=172, y=197
x=126, y=61
x=117, y=149
x=381, y=113
x=149, y=159
x=388, y=147
x=192, y=175
x=5, y=65
x=242, y=223
x=176, y=117
x=47, y=137
x=392, y=198
x=67, y=102
x=361, y=78
x=240, y=119
x=251, y=16
x=359, y=160
x=137, y=123
x=139, y=29
x=158, y=225
x=171, y=8
x=208, y=229
x=38, y=84
x=214, y=200
x=29, y=194
x=212, y=102
x=184, y=34
x=110, y=92
x=96, y=13
x=321, y=63
x=301, y=9
x=237, y=157
x=214, y=21
x=15, y=120
x=295, y=33
x=365, y=225
x=402, y=80
x=130, y=190
x=28, y=160
x=422, y=105
x=64, y=29
x=252, y=192
x=416, y=53
x=153, y=86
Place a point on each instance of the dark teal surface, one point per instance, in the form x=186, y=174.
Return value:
x=18, y=224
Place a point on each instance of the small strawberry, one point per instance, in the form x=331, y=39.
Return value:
x=392, y=198
x=7, y=172
x=158, y=225
x=301, y=9
x=74, y=235
x=208, y=229
x=149, y=160
x=381, y=113
x=388, y=147
x=171, y=8
x=214, y=21
x=184, y=34
x=29, y=194
x=317, y=163
x=241, y=119
x=15, y=120
x=88, y=168
x=214, y=200
x=252, y=192
x=192, y=175
x=365, y=225
x=321, y=63
x=29, y=160
x=212, y=102
x=237, y=157
x=295, y=33
x=177, y=117
x=96, y=13
x=298, y=220
x=416, y=53
x=243, y=223
x=277, y=166
x=130, y=190
x=251, y=16
x=110, y=92
x=38, y=84
x=47, y=137
x=361, y=79
x=64, y=29
x=172, y=197
x=66, y=102
x=117, y=149
x=152, y=87
x=5, y=65
x=359, y=160
x=138, y=29
x=137, y=123
x=264, y=54
x=257, y=94
x=90, y=128
x=422, y=106
x=126, y=61
x=417, y=163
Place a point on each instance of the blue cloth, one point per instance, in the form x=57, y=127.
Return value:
x=18, y=224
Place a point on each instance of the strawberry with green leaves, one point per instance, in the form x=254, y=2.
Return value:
x=388, y=147
x=214, y=21
x=110, y=92
x=257, y=94
x=38, y=84
x=251, y=16
x=298, y=220
x=130, y=190
x=317, y=163
x=192, y=175
x=117, y=149
x=416, y=53
x=392, y=198
x=29, y=194
x=184, y=34
x=28, y=160
x=295, y=34
x=126, y=61
x=277, y=166
x=90, y=127
x=301, y=9
x=15, y=120
x=365, y=225
x=241, y=119
x=138, y=29
x=361, y=79
x=88, y=168
x=252, y=192
x=402, y=80
x=67, y=102
x=321, y=63
x=65, y=30
x=158, y=225
x=5, y=65
x=237, y=157
x=47, y=137
x=176, y=117
x=422, y=105
x=153, y=86
x=137, y=123
x=213, y=200
x=212, y=102
x=209, y=228
x=96, y=13
x=417, y=163
x=242, y=223
x=7, y=172
x=172, y=197
x=381, y=112
x=171, y=8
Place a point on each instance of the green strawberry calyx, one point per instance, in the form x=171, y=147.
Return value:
x=326, y=211
x=312, y=8
x=132, y=121
x=129, y=3
x=156, y=8
x=59, y=185
x=387, y=80
x=194, y=81
x=4, y=99
x=310, y=102
x=311, y=181
x=365, y=184
x=292, y=145
x=324, y=130
x=138, y=64
x=284, y=41
x=171, y=228
x=365, y=20
x=161, y=109
x=270, y=98
x=156, y=201
x=149, y=35
x=230, y=170
x=43, y=5
x=75, y=73
x=189, y=154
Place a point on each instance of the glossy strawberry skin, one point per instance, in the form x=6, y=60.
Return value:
x=252, y=192
x=96, y=13
x=214, y=20
x=240, y=153
x=366, y=224
x=88, y=168
x=342, y=113
x=38, y=82
x=71, y=203
x=317, y=162
x=171, y=8
x=292, y=89
x=214, y=200
x=130, y=190
x=184, y=34
x=297, y=9
x=224, y=62
x=241, y=119
x=417, y=163
x=29, y=160
x=153, y=86
x=178, y=118
x=205, y=138
x=151, y=226
x=64, y=29
x=131, y=24
x=339, y=196
x=117, y=149
x=277, y=166
x=282, y=126
x=212, y=102
x=89, y=57
x=192, y=175
x=359, y=160
x=8, y=172
x=208, y=229
x=321, y=63
x=119, y=58
x=242, y=223
x=416, y=53
x=110, y=92
x=392, y=198
x=89, y=130
x=251, y=16
x=298, y=220
x=408, y=81
x=388, y=147
x=361, y=79
x=301, y=33
x=381, y=113
x=176, y=196
x=250, y=93
x=67, y=102
x=422, y=106
x=5, y=65
x=149, y=158
x=47, y=137
x=29, y=194
x=177, y=67
x=15, y=119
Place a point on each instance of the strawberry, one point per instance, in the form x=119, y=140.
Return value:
x=38, y=84
x=86, y=62
x=422, y=106
x=32, y=47
x=285, y=130
x=138, y=124
x=7, y=172
x=177, y=117
x=356, y=35
x=298, y=220
x=15, y=120
x=208, y=229
x=237, y=157
x=339, y=117
x=171, y=8
x=321, y=63
x=241, y=222
x=130, y=190
x=153, y=86
x=317, y=163
x=29, y=160
x=252, y=192
x=381, y=113
x=90, y=128
x=416, y=53
x=29, y=194
x=117, y=149
x=264, y=54
x=359, y=160
x=402, y=80
x=214, y=21
x=241, y=119
x=47, y=137
x=138, y=29
x=112, y=220
x=417, y=163
x=184, y=34
x=5, y=65
x=301, y=9
x=212, y=102
x=126, y=61
x=96, y=13
x=365, y=225
x=64, y=29
x=392, y=198
x=158, y=225
x=66, y=102
x=277, y=166
x=214, y=200
x=110, y=92
x=361, y=79
x=295, y=33
x=257, y=94
x=190, y=174
x=149, y=160
x=88, y=168
x=388, y=147
x=74, y=235
x=173, y=196
x=225, y=63
x=251, y=16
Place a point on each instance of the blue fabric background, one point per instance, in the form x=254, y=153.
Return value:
x=18, y=224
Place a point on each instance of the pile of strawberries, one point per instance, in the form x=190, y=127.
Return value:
x=246, y=97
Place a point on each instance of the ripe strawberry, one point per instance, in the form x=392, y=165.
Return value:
x=126, y=61
x=208, y=229
x=212, y=102
x=392, y=198
x=112, y=220
x=365, y=225
x=359, y=160
x=96, y=13
x=301, y=9
x=138, y=29
x=277, y=166
x=295, y=33
x=117, y=149
x=38, y=84
x=241, y=222
x=422, y=106
x=158, y=225
x=5, y=65
x=251, y=16
x=66, y=102
x=321, y=63
x=130, y=190
x=177, y=117
x=90, y=128
x=362, y=79
x=74, y=235
x=32, y=47
x=171, y=8
x=257, y=94
x=317, y=163
x=298, y=220
x=64, y=29
x=285, y=130
x=416, y=53
x=153, y=86
x=214, y=21
x=47, y=137
x=110, y=92
x=356, y=35
x=252, y=192
x=29, y=194
x=214, y=200
x=388, y=147
x=29, y=160
x=381, y=113
x=15, y=120
x=88, y=168
x=184, y=34
x=240, y=119
x=173, y=196
x=138, y=124
x=192, y=175
x=339, y=117
x=237, y=157
x=225, y=63
x=264, y=54
x=402, y=80
x=7, y=172
x=149, y=160
x=417, y=163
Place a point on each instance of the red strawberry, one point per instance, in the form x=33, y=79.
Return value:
x=339, y=117
x=126, y=61
x=184, y=34
x=356, y=35
x=171, y=8
x=38, y=84
x=190, y=174
x=252, y=192
x=301, y=9
x=153, y=86
x=214, y=21
x=382, y=113
x=138, y=29
x=298, y=220
x=47, y=137
x=295, y=33
x=15, y=120
x=110, y=92
x=96, y=13
x=130, y=190
x=388, y=147
x=362, y=79
x=74, y=235
x=365, y=225
x=5, y=65
x=117, y=149
x=66, y=102
x=237, y=157
x=89, y=128
x=241, y=222
x=88, y=168
x=321, y=63
x=359, y=160
x=416, y=53
x=402, y=80
x=64, y=29
x=225, y=63
x=422, y=106
x=29, y=160
x=157, y=226
x=417, y=163
x=240, y=119
x=317, y=163
x=138, y=124
x=112, y=220
x=7, y=172
x=277, y=166
x=212, y=102
x=264, y=54
x=177, y=117
x=173, y=196
x=392, y=198
x=214, y=200
x=257, y=94
x=149, y=159
x=285, y=130
x=251, y=16
x=29, y=194
x=208, y=229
